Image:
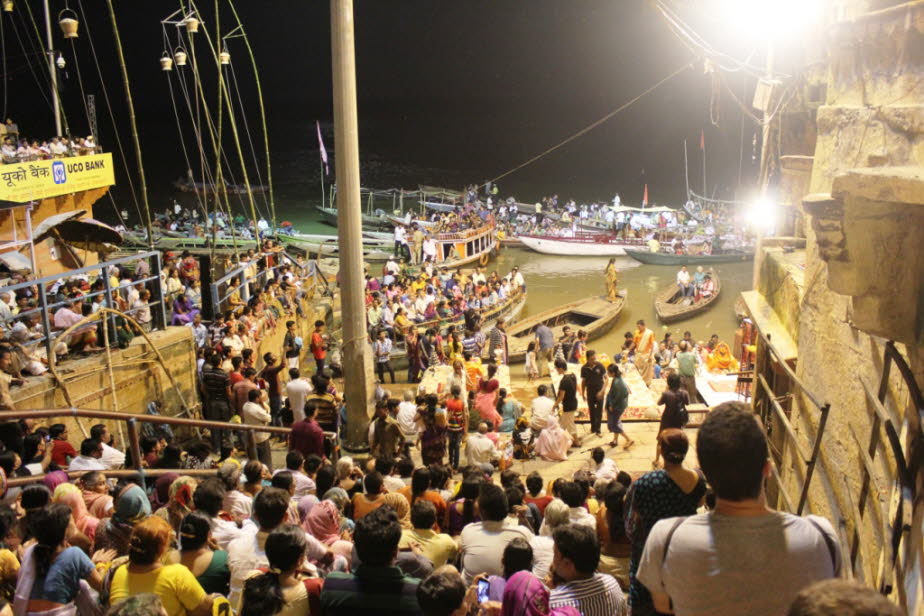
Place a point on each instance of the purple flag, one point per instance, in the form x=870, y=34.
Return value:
x=323, y=149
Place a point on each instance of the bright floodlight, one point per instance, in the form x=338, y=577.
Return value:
x=761, y=215
x=771, y=19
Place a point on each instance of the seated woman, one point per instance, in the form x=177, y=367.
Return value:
x=509, y=410
x=281, y=589
x=177, y=587
x=183, y=310
x=523, y=440
x=131, y=506
x=70, y=495
x=707, y=289
x=553, y=442
x=323, y=522
x=54, y=576
x=615, y=547
x=486, y=398
x=209, y=566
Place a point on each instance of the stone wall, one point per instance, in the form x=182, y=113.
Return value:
x=860, y=284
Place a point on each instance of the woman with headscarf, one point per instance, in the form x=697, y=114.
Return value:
x=341, y=498
x=70, y=495
x=53, y=479
x=95, y=494
x=179, y=501
x=161, y=494
x=305, y=505
x=433, y=439
x=402, y=509
x=323, y=522
x=131, y=507
x=553, y=442
x=486, y=398
x=525, y=595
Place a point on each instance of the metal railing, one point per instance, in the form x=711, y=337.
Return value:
x=101, y=272
x=221, y=290
x=134, y=442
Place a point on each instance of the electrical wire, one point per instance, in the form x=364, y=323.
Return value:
x=686, y=65
x=115, y=129
x=3, y=51
x=48, y=67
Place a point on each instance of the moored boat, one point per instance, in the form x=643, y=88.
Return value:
x=375, y=220
x=582, y=244
x=184, y=185
x=671, y=307
x=664, y=258
x=595, y=315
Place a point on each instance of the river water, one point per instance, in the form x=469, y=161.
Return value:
x=551, y=280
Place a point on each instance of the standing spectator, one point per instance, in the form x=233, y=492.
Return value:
x=216, y=396
x=272, y=369
x=742, y=539
x=546, y=339
x=497, y=348
x=319, y=345
x=242, y=389
x=675, y=401
x=290, y=347
x=567, y=400
x=617, y=400
x=577, y=554
x=297, y=390
x=686, y=368
x=306, y=436
x=672, y=491
x=482, y=543
x=593, y=388
x=455, y=424
x=386, y=441
x=255, y=413
x=376, y=582
x=382, y=351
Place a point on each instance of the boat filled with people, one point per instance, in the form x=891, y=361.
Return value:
x=692, y=294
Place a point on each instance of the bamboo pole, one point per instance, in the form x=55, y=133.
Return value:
x=357, y=368
x=133, y=124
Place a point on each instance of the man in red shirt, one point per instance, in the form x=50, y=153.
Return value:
x=319, y=345
x=241, y=389
x=535, y=496
x=307, y=437
x=62, y=452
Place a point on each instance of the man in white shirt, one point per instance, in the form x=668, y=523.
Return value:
x=297, y=390
x=91, y=450
x=255, y=413
x=247, y=551
x=400, y=241
x=683, y=282
x=407, y=411
x=541, y=409
x=112, y=457
x=200, y=331
x=429, y=249
x=604, y=468
x=304, y=485
x=482, y=543
x=479, y=449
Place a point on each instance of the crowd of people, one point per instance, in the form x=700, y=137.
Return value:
x=324, y=536
x=16, y=148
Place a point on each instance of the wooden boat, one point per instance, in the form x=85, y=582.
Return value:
x=457, y=249
x=582, y=244
x=509, y=309
x=664, y=258
x=374, y=221
x=595, y=315
x=671, y=307
x=329, y=246
x=184, y=185
x=398, y=220
x=440, y=199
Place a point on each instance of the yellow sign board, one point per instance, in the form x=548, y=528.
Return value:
x=31, y=181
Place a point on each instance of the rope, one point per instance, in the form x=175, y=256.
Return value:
x=3, y=51
x=115, y=130
x=253, y=149
x=266, y=148
x=589, y=128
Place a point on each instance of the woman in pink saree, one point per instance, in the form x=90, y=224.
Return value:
x=323, y=522
x=70, y=495
x=553, y=441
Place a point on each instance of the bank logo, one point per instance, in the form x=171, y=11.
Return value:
x=58, y=172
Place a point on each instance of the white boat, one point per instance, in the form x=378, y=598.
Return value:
x=582, y=244
x=398, y=220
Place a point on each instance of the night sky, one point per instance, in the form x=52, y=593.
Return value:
x=479, y=86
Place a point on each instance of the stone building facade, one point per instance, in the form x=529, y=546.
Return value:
x=849, y=306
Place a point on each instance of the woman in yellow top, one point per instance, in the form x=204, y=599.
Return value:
x=281, y=590
x=145, y=572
